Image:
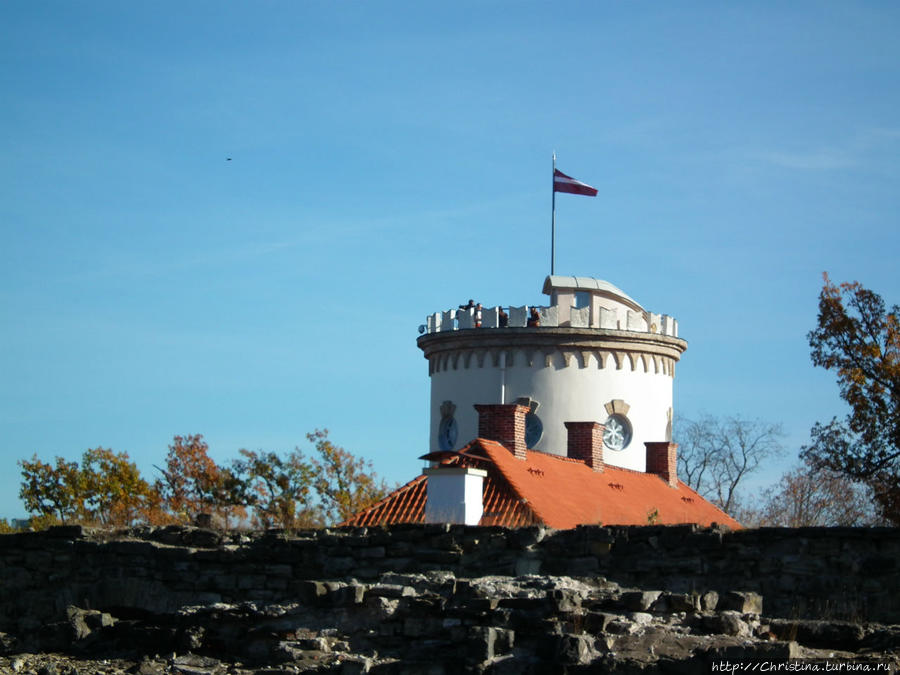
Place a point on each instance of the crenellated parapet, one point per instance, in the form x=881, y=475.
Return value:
x=590, y=316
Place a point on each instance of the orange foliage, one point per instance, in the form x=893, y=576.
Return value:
x=860, y=340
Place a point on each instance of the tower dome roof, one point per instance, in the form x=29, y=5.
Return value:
x=556, y=282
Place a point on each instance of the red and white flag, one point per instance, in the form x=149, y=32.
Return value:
x=564, y=183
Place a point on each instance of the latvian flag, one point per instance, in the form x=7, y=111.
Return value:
x=564, y=183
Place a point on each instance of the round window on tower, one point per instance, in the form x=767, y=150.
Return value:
x=534, y=429
x=447, y=433
x=617, y=432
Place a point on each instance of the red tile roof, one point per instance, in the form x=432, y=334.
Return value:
x=555, y=491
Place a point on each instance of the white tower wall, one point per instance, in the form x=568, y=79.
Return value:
x=564, y=394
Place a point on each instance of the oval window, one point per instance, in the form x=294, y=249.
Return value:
x=534, y=430
x=447, y=433
x=617, y=432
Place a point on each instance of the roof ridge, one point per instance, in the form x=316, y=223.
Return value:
x=575, y=460
x=553, y=455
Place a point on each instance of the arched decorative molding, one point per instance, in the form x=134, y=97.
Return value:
x=510, y=358
x=552, y=347
x=585, y=358
x=646, y=362
x=618, y=357
x=541, y=340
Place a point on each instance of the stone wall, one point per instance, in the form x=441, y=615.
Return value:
x=443, y=599
x=813, y=573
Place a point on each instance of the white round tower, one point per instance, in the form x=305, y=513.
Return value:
x=592, y=355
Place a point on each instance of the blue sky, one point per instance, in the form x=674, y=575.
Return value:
x=391, y=159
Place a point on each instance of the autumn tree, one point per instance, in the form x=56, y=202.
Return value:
x=858, y=338
x=279, y=490
x=807, y=496
x=344, y=482
x=115, y=492
x=291, y=492
x=193, y=483
x=716, y=455
x=106, y=488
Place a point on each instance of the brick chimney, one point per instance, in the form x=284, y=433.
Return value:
x=586, y=443
x=504, y=424
x=662, y=459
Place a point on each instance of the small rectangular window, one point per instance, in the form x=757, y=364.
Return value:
x=582, y=299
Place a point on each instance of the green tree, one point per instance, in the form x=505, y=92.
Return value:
x=858, y=338
x=279, y=490
x=345, y=483
x=53, y=489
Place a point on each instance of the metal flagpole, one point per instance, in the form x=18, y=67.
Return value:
x=553, y=217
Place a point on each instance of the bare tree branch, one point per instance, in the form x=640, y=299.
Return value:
x=717, y=454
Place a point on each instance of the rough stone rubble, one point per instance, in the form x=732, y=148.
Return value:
x=441, y=624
